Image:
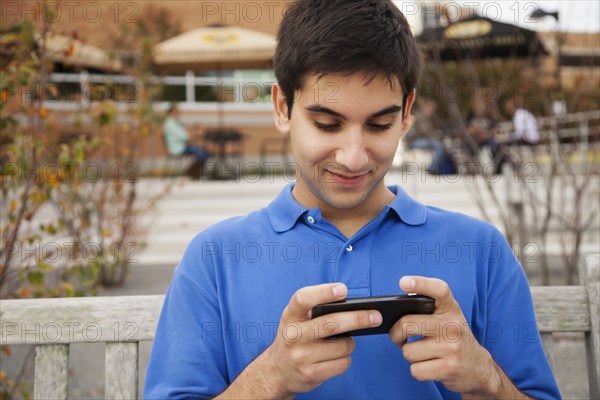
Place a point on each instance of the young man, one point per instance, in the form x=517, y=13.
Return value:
x=236, y=322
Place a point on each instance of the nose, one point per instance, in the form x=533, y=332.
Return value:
x=352, y=152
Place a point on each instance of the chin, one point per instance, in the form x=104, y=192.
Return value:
x=344, y=201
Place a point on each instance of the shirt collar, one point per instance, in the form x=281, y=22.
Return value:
x=284, y=211
x=408, y=209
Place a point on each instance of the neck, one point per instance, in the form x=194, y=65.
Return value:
x=351, y=220
x=349, y=227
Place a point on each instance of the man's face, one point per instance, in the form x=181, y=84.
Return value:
x=344, y=135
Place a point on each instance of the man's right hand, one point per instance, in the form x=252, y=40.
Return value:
x=302, y=356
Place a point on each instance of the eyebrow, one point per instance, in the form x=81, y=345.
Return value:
x=315, y=108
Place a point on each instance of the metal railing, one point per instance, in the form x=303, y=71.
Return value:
x=581, y=127
x=201, y=92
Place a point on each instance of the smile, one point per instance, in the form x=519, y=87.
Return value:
x=347, y=180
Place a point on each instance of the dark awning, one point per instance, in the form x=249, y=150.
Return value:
x=479, y=37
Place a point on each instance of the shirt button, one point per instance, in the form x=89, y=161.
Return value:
x=349, y=248
x=311, y=220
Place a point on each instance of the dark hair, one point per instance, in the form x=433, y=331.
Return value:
x=345, y=36
x=172, y=107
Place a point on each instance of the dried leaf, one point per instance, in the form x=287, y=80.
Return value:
x=69, y=290
x=52, y=90
x=51, y=229
x=69, y=50
x=24, y=292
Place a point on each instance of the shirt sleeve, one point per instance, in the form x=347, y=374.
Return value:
x=518, y=125
x=512, y=335
x=188, y=357
x=533, y=134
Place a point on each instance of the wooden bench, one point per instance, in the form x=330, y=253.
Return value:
x=122, y=322
x=164, y=166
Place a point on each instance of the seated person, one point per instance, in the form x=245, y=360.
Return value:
x=177, y=141
x=480, y=131
x=425, y=135
x=525, y=124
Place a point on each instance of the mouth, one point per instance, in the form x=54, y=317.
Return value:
x=346, y=179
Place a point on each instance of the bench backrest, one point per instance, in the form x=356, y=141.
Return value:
x=122, y=322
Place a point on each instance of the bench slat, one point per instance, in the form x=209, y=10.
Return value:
x=51, y=369
x=134, y=318
x=79, y=319
x=548, y=343
x=589, y=277
x=121, y=371
x=561, y=308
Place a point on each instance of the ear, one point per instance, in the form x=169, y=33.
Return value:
x=282, y=122
x=406, y=117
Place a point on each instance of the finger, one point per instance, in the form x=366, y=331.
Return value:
x=424, y=325
x=345, y=321
x=432, y=287
x=322, y=350
x=403, y=329
x=307, y=297
x=328, y=369
x=326, y=350
x=430, y=370
x=422, y=350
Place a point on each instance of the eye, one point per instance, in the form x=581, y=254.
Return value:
x=327, y=127
x=380, y=128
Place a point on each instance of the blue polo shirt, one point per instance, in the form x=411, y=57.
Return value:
x=227, y=295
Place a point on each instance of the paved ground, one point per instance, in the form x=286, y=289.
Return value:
x=190, y=207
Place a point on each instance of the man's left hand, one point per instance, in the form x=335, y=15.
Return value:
x=449, y=352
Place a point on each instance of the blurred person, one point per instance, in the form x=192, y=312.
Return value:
x=424, y=134
x=525, y=124
x=481, y=132
x=237, y=322
x=177, y=142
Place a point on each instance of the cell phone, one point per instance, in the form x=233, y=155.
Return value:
x=392, y=308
